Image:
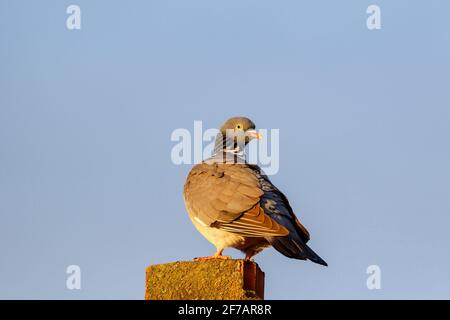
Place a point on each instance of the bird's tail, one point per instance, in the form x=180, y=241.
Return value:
x=296, y=249
x=314, y=257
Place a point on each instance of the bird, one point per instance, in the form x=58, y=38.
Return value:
x=233, y=203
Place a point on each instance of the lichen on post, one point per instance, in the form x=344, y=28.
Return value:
x=214, y=279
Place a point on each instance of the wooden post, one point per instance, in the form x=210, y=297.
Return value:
x=213, y=279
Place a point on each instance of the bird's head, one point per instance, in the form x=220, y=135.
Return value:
x=238, y=127
x=235, y=133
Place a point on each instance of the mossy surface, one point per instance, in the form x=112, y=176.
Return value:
x=197, y=280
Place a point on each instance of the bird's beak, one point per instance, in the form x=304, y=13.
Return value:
x=254, y=134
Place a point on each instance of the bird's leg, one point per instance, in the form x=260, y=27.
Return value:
x=217, y=255
x=249, y=255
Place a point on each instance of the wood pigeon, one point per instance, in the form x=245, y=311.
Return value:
x=234, y=204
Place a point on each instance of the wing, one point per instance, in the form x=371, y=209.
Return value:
x=276, y=205
x=227, y=197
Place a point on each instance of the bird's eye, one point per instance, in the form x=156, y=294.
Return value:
x=238, y=126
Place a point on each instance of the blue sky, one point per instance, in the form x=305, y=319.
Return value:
x=86, y=117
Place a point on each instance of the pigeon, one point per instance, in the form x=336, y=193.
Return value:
x=233, y=204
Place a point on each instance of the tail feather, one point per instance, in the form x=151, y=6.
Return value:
x=295, y=249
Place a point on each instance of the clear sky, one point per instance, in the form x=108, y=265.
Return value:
x=86, y=116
